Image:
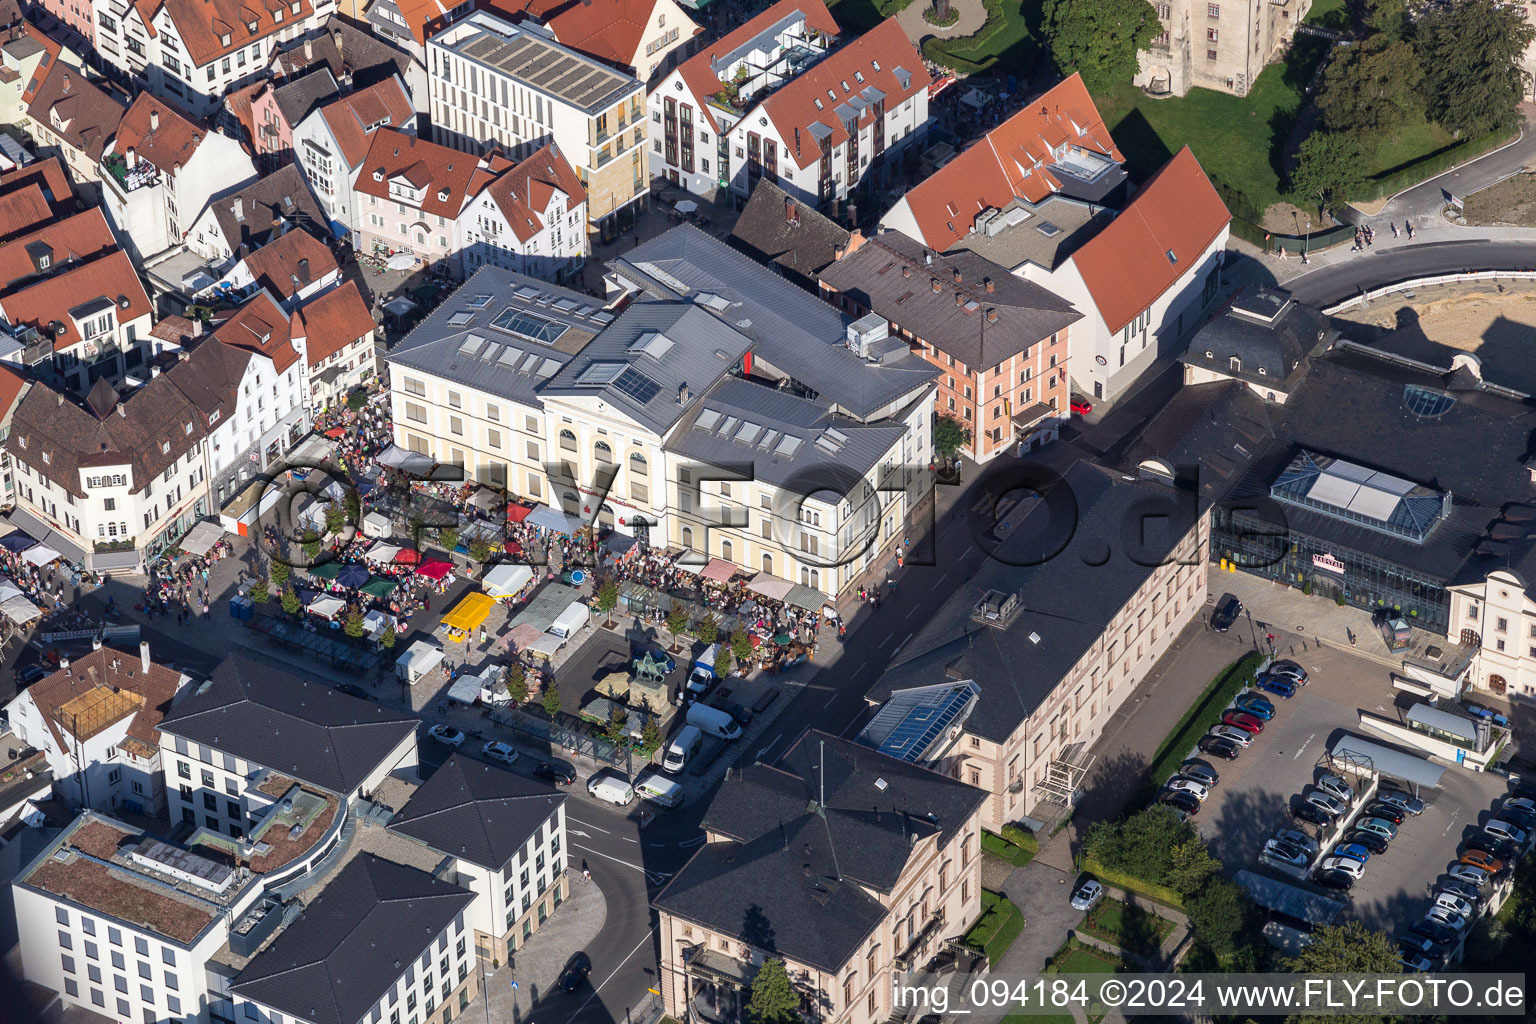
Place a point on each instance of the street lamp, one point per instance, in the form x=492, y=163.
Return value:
x=1307, y=241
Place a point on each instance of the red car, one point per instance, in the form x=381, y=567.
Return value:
x=1081, y=406
x=1244, y=721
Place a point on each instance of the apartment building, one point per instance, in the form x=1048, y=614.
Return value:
x=193, y=52
x=1495, y=615
x=244, y=219
x=1057, y=645
x=495, y=84
x=779, y=231
x=1002, y=344
x=292, y=267
x=77, y=15
x=848, y=898
x=1215, y=45
x=505, y=834
x=531, y=219
x=332, y=142
x=336, y=332
x=160, y=173
x=267, y=110
x=73, y=119
x=644, y=38
x=234, y=747
x=96, y=719
x=12, y=387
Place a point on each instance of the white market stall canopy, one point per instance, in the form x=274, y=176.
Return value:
x=506, y=579
x=39, y=554
x=201, y=538
x=412, y=462
x=325, y=605
x=383, y=552
x=419, y=659
x=19, y=610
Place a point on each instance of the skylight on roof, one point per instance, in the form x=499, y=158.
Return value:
x=471, y=345
x=600, y=374
x=461, y=319
x=1426, y=403
x=636, y=385
x=1172, y=257
x=530, y=325
x=479, y=301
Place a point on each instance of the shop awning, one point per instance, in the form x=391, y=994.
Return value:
x=326, y=606
x=718, y=570
x=203, y=536
x=485, y=499
x=412, y=462
x=770, y=586
x=806, y=597
x=506, y=579
x=517, y=513
x=28, y=523
x=547, y=518
x=435, y=569
x=470, y=613
x=40, y=554
x=107, y=560
x=379, y=588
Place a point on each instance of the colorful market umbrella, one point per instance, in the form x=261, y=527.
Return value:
x=336, y=432
x=782, y=639
x=352, y=576
x=408, y=556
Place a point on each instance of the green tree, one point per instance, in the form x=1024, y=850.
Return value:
x=677, y=621
x=617, y=732
x=335, y=518
x=774, y=999
x=1099, y=39
x=1372, y=89
x=1346, y=948
x=650, y=738
x=1388, y=19
x=741, y=645
x=448, y=537
x=723, y=657
x=1217, y=914
x=259, y=592
x=517, y=684
x=1474, y=56
x=353, y=627
x=606, y=599
x=709, y=628
x=551, y=701
x=1141, y=845
x=949, y=436
x=389, y=638
x=353, y=503
x=1327, y=170
x=280, y=573
x=480, y=550
x=291, y=603
x=1191, y=865
x=311, y=544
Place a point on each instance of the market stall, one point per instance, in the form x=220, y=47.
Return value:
x=435, y=569
x=506, y=579
x=553, y=520
x=770, y=586
x=379, y=588
x=419, y=659
x=718, y=570
x=326, y=606
x=467, y=616
x=40, y=555
x=382, y=553
x=201, y=538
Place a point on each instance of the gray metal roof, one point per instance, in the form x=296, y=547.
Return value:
x=503, y=333
x=1388, y=761
x=352, y=942
x=288, y=724
x=796, y=333
x=476, y=811
x=1292, y=900
x=786, y=439
x=538, y=62
x=1460, y=726
x=654, y=362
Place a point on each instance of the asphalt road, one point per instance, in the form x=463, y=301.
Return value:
x=1335, y=283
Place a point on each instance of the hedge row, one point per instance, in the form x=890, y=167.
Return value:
x=1390, y=184
x=977, y=53
x=1175, y=748
x=1130, y=883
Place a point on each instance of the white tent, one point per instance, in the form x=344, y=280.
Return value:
x=325, y=605
x=546, y=645
x=506, y=579
x=9, y=590
x=383, y=552
x=201, y=537
x=39, y=554
x=20, y=610
x=419, y=659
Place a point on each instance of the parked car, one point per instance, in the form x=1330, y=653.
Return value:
x=1482, y=859
x=446, y=734
x=1473, y=894
x=1286, y=852
x=576, y=970
x=1334, y=785
x=1216, y=746
x=1299, y=838
x=1492, y=845
x=1290, y=669
x=1470, y=874
x=1385, y=829
x=1332, y=804
x=1312, y=815
x=1200, y=772
x=1087, y=895
x=499, y=751
x=1370, y=840
x=353, y=690
x=1228, y=608
x=1341, y=881
x=1443, y=937
x=1181, y=801
x=1178, y=785
x=1515, y=816
x=1233, y=733
x=1520, y=803
x=1418, y=963
x=558, y=772
x=1379, y=810
x=1280, y=686
x=1413, y=942
x=1448, y=918
x=1257, y=705
x=1244, y=721
x=1397, y=798
x=1081, y=406
x=1452, y=901
x=1348, y=865
x=25, y=677
x=1354, y=851
x=1508, y=831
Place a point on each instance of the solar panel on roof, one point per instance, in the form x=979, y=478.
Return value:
x=600, y=373
x=636, y=385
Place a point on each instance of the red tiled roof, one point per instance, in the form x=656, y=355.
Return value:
x=47, y=174
x=609, y=30
x=107, y=673
x=523, y=193
x=424, y=17
x=22, y=210
x=275, y=265
x=262, y=327
x=350, y=116
x=332, y=321
x=700, y=76
x=991, y=174
x=82, y=237
x=238, y=103
x=1128, y=264
x=110, y=277
x=875, y=55
x=204, y=25
x=445, y=176
x=159, y=132
x=11, y=386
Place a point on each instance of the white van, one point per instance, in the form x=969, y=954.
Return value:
x=570, y=620
x=703, y=675
x=683, y=747
x=713, y=722
x=610, y=788
x=659, y=789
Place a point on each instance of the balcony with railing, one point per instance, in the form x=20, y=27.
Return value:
x=915, y=950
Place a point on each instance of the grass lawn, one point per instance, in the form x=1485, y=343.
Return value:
x=1006, y=39
x=859, y=16
x=1407, y=144
x=1085, y=961
x=994, y=931
x=1002, y=849
x=1329, y=14
x=1133, y=929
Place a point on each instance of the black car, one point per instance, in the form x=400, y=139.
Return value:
x=1380, y=810
x=1312, y=815
x=1439, y=934
x=1412, y=942
x=1493, y=846
x=1370, y=840
x=558, y=772
x=1218, y=747
x=1342, y=881
x=1177, y=798
x=575, y=973
x=1514, y=815
x=1226, y=613
x=25, y=677
x=352, y=690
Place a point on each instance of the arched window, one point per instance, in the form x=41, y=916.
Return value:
x=637, y=463
x=602, y=452
x=688, y=538
x=567, y=440
x=768, y=564
x=725, y=550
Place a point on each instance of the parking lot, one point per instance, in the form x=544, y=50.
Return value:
x=1259, y=788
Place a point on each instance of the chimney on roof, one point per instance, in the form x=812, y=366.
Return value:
x=791, y=214
x=958, y=276
x=906, y=271
x=122, y=410
x=991, y=314
x=154, y=120
x=144, y=655
x=304, y=270
x=309, y=49
x=66, y=83
x=989, y=285
x=837, y=252
x=934, y=283
x=959, y=298
x=131, y=159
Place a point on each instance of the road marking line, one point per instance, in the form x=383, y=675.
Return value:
x=570, y=818
x=627, y=839
x=855, y=671
x=609, y=856
x=915, y=609
x=1309, y=739
x=598, y=988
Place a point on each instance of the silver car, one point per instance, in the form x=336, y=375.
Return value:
x=1233, y=733
x=1334, y=785
x=1332, y=804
